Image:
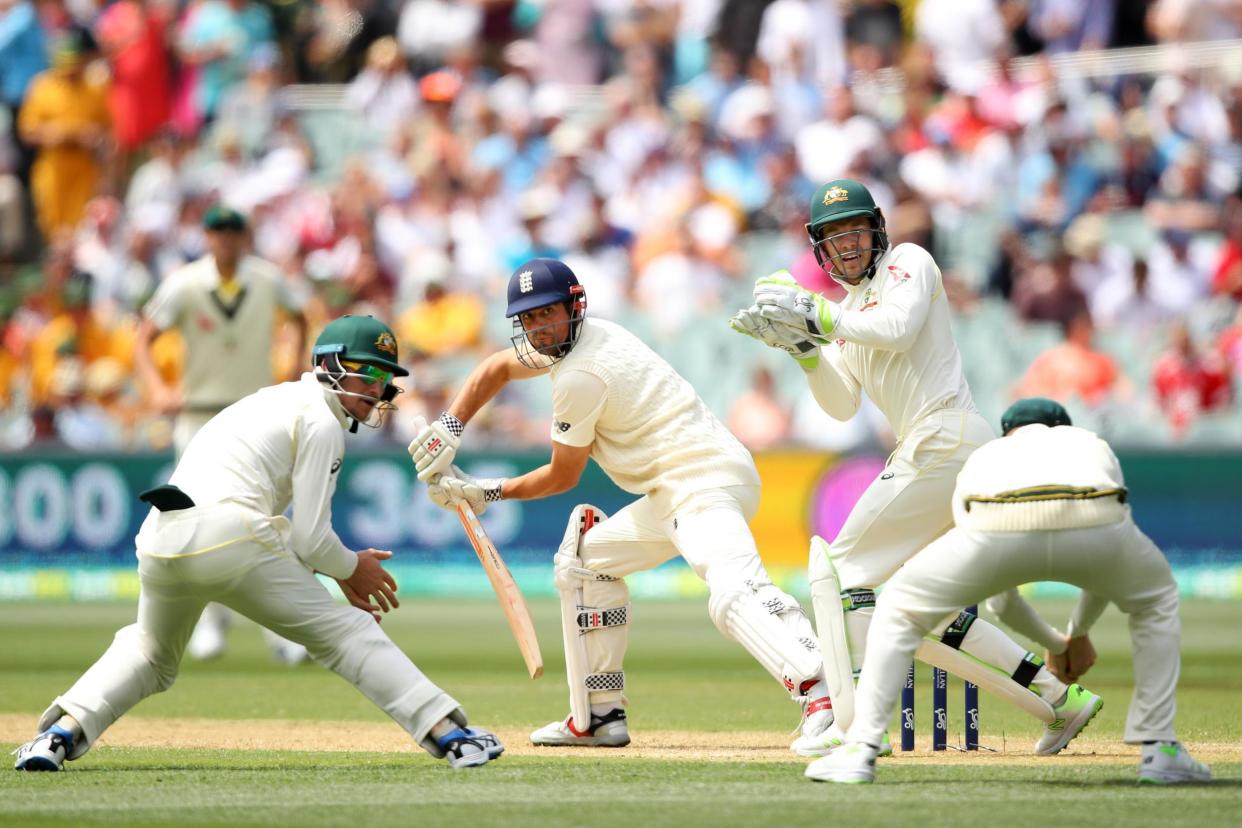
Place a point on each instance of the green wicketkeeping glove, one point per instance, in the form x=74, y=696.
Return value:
x=783, y=337
x=782, y=300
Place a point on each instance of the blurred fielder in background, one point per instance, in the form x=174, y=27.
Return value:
x=217, y=532
x=891, y=337
x=225, y=306
x=1047, y=502
x=615, y=400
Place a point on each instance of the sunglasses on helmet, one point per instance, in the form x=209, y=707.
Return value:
x=371, y=372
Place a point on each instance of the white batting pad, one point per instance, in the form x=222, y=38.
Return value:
x=833, y=642
x=570, y=576
x=954, y=661
x=765, y=621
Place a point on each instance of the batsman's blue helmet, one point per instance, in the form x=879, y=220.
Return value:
x=541, y=282
x=536, y=284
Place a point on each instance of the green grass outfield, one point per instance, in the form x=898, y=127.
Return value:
x=690, y=692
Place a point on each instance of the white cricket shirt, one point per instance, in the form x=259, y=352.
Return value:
x=894, y=341
x=281, y=445
x=227, y=343
x=1040, y=478
x=648, y=429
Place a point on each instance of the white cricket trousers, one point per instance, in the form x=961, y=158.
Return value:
x=1116, y=561
x=710, y=531
x=910, y=504
x=239, y=558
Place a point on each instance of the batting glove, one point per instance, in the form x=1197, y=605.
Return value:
x=436, y=444
x=456, y=486
x=792, y=341
x=782, y=300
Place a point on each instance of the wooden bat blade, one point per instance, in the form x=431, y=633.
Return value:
x=506, y=589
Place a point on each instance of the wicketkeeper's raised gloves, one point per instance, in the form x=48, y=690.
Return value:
x=781, y=299
x=436, y=444
x=792, y=341
x=454, y=486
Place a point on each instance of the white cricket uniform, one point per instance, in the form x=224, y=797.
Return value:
x=1043, y=504
x=227, y=343
x=279, y=446
x=894, y=341
x=653, y=436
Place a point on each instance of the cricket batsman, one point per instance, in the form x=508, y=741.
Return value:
x=891, y=337
x=1046, y=502
x=615, y=400
x=217, y=532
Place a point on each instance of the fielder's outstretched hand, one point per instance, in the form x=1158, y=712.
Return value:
x=359, y=602
x=792, y=341
x=436, y=444
x=372, y=582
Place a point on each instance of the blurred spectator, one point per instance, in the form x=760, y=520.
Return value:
x=429, y=29
x=804, y=37
x=963, y=35
x=65, y=117
x=445, y=323
x=1072, y=25
x=757, y=417
x=88, y=417
x=76, y=332
x=1047, y=292
x=251, y=108
x=1229, y=346
x=23, y=55
x=132, y=35
x=214, y=39
x=1131, y=302
x=874, y=33
x=1193, y=20
x=384, y=93
x=1188, y=382
x=1073, y=370
x=1227, y=274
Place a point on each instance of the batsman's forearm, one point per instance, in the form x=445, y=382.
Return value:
x=542, y=482
x=484, y=383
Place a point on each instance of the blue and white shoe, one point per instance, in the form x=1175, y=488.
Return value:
x=45, y=752
x=469, y=747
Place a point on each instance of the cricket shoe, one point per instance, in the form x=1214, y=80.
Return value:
x=853, y=763
x=1072, y=717
x=830, y=740
x=469, y=747
x=817, y=715
x=45, y=752
x=1168, y=763
x=608, y=730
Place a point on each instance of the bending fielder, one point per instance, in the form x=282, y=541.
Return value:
x=615, y=400
x=891, y=338
x=1047, y=502
x=217, y=532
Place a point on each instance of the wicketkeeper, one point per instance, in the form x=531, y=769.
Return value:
x=1047, y=502
x=217, y=532
x=891, y=337
x=615, y=400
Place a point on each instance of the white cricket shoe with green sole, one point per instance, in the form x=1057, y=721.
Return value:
x=1073, y=715
x=853, y=763
x=1168, y=763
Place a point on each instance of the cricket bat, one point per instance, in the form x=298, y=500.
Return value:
x=507, y=592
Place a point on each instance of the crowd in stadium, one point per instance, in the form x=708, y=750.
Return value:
x=401, y=158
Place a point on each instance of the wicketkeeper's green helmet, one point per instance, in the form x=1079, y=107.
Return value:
x=359, y=339
x=842, y=199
